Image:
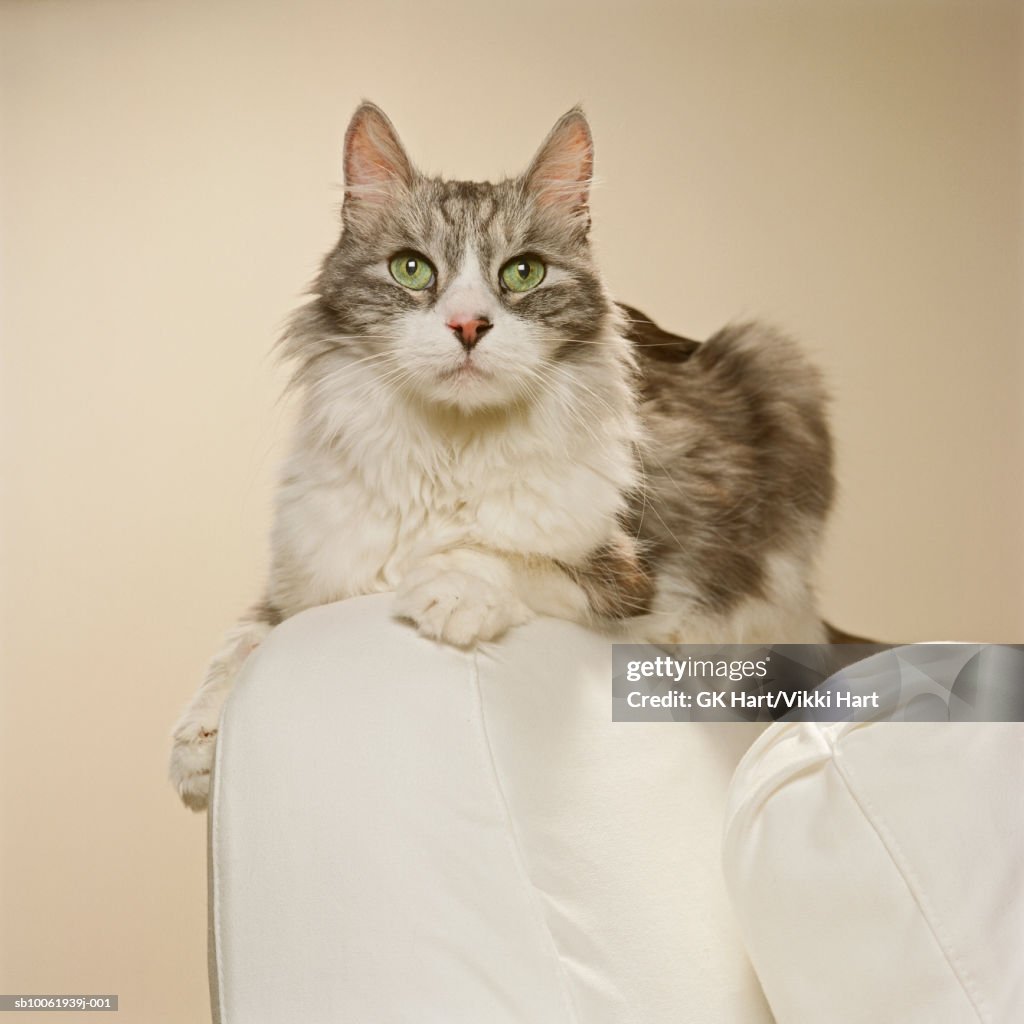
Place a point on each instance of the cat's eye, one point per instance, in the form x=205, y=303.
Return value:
x=522, y=273
x=412, y=270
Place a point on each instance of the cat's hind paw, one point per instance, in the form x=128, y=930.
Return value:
x=456, y=607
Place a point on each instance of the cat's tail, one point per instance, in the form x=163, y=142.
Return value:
x=771, y=403
x=839, y=636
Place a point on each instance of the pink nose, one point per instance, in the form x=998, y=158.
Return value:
x=469, y=330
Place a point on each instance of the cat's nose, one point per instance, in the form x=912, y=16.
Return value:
x=469, y=330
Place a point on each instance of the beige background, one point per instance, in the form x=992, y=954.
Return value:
x=169, y=170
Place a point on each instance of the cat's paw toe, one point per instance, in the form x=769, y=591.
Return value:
x=457, y=608
x=192, y=764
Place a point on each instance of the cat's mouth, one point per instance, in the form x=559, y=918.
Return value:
x=468, y=385
x=465, y=371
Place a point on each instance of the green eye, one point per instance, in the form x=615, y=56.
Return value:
x=412, y=270
x=522, y=273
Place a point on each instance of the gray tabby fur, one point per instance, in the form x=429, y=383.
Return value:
x=736, y=457
x=577, y=461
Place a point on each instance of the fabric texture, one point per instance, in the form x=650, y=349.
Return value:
x=405, y=832
x=878, y=871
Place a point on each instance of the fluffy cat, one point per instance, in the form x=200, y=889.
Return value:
x=486, y=433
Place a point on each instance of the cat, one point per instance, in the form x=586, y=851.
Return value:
x=484, y=432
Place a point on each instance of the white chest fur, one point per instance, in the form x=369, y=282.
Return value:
x=370, y=488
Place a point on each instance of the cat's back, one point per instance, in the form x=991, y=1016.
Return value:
x=734, y=421
x=749, y=363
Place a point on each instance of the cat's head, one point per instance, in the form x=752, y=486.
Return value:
x=471, y=295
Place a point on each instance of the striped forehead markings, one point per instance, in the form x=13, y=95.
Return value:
x=467, y=208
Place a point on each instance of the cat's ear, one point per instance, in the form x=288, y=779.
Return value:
x=376, y=164
x=559, y=176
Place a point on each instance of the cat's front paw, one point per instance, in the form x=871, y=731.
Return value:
x=456, y=607
x=192, y=761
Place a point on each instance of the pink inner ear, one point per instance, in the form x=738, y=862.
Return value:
x=367, y=165
x=374, y=159
x=561, y=173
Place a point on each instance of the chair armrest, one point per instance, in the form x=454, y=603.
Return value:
x=878, y=871
x=401, y=831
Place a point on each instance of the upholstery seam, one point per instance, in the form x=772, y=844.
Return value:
x=215, y=894
x=512, y=836
x=876, y=822
x=213, y=809
x=320, y=660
